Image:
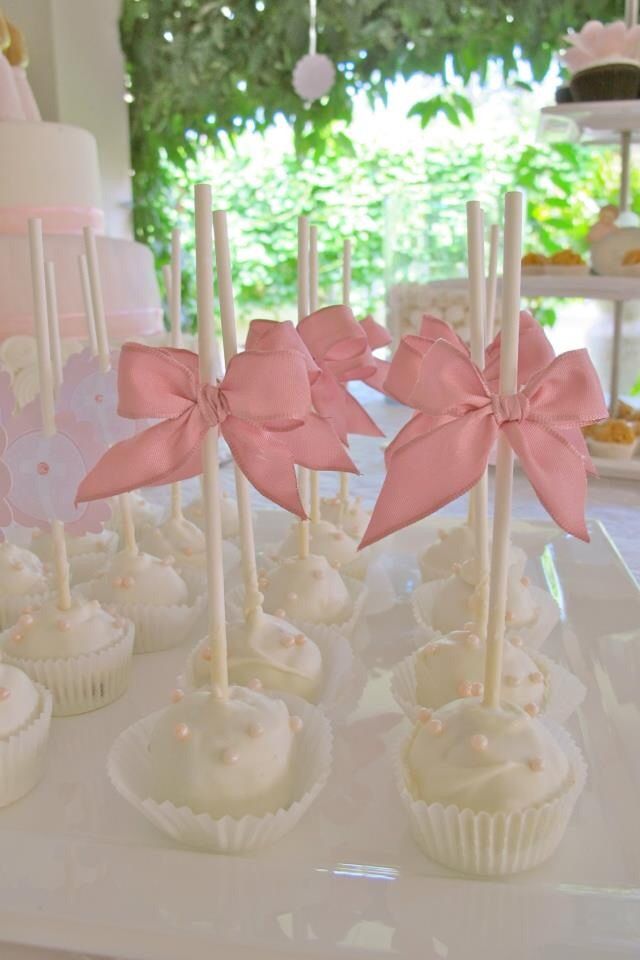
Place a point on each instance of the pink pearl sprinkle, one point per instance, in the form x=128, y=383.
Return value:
x=5, y=693
x=472, y=640
x=17, y=637
x=255, y=684
x=287, y=640
x=99, y=398
x=255, y=730
x=516, y=641
x=338, y=535
x=318, y=574
x=477, y=689
x=424, y=715
x=182, y=731
x=435, y=726
x=188, y=551
x=292, y=596
x=525, y=581
x=536, y=677
x=280, y=613
x=63, y=626
x=532, y=709
x=26, y=620
x=43, y=468
x=296, y=724
x=464, y=688
x=536, y=764
x=205, y=653
x=263, y=582
x=176, y=695
x=128, y=582
x=17, y=565
x=229, y=757
x=509, y=616
x=479, y=742
x=117, y=582
x=456, y=567
x=299, y=639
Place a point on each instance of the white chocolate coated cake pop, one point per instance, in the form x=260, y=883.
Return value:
x=452, y=667
x=455, y=545
x=228, y=515
x=327, y=540
x=270, y=650
x=497, y=760
x=308, y=589
x=19, y=700
x=141, y=578
x=353, y=519
x=21, y=571
x=51, y=633
x=143, y=512
x=225, y=757
x=178, y=537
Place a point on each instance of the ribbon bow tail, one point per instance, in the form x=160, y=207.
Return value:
x=556, y=470
x=164, y=453
x=266, y=461
x=316, y=445
x=420, y=479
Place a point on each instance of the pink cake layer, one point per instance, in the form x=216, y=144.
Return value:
x=129, y=286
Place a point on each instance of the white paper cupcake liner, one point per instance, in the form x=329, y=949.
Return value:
x=343, y=678
x=156, y=627
x=564, y=692
x=533, y=635
x=12, y=606
x=84, y=683
x=22, y=755
x=357, y=591
x=129, y=769
x=499, y=844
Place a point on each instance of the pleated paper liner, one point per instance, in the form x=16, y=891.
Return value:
x=129, y=769
x=22, y=755
x=493, y=845
x=157, y=627
x=533, y=635
x=564, y=692
x=343, y=677
x=83, y=683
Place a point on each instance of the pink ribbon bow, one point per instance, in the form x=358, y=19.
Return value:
x=534, y=352
x=261, y=399
x=340, y=347
x=442, y=462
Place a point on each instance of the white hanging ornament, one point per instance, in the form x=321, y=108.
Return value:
x=314, y=74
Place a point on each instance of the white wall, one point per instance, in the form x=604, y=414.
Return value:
x=76, y=72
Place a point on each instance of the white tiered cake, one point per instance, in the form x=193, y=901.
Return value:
x=51, y=171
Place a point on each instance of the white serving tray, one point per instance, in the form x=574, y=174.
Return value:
x=81, y=870
x=618, y=469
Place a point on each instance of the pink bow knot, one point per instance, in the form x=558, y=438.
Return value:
x=213, y=404
x=510, y=408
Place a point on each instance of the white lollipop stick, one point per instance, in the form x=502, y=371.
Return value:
x=47, y=407
x=492, y=280
x=54, y=325
x=253, y=601
x=88, y=304
x=346, y=299
x=104, y=357
x=97, y=300
x=303, y=310
x=217, y=627
x=314, y=511
x=504, y=464
x=479, y=500
x=173, y=283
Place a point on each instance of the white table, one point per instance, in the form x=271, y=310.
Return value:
x=615, y=503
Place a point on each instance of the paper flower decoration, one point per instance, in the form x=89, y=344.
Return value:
x=313, y=76
x=92, y=396
x=43, y=473
x=598, y=43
